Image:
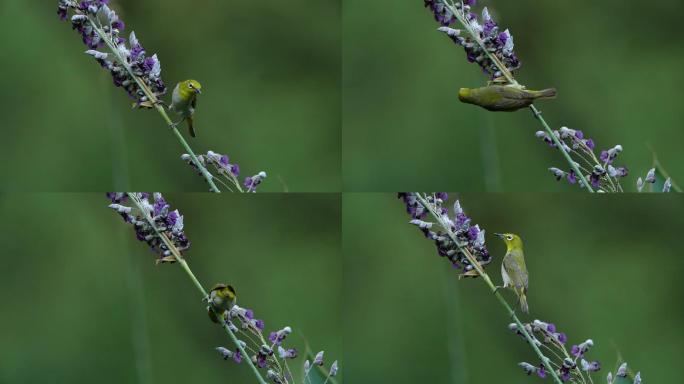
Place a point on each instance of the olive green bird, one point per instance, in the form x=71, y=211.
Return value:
x=221, y=298
x=507, y=98
x=184, y=101
x=513, y=269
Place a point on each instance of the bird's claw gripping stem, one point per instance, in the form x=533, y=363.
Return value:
x=537, y=113
x=174, y=125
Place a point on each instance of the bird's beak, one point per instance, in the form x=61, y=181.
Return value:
x=499, y=235
x=199, y=92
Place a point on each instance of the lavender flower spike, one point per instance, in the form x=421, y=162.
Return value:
x=251, y=183
x=467, y=234
x=93, y=18
x=152, y=220
x=484, y=44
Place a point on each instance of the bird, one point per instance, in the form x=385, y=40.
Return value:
x=513, y=269
x=184, y=101
x=221, y=298
x=506, y=98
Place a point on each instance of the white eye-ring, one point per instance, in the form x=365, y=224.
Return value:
x=509, y=237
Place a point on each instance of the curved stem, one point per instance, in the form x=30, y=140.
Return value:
x=153, y=99
x=556, y=140
x=176, y=254
x=473, y=261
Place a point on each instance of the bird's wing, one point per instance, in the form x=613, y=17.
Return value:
x=504, y=276
x=509, y=92
x=514, y=263
x=510, y=99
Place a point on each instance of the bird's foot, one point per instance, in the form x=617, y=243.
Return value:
x=496, y=289
x=174, y=125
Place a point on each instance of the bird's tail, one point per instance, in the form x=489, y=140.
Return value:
x=191, y=127
x=523, y=302
x=549, y=93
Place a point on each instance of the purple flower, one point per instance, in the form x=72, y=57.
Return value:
x=95, y=21
x=580, y=350
x=318, y=359
x=593, y=366
x=237, y=356
x=252, y=182
x=595, y=180
x=498, y=44
x=149, y=218
x=610, y=155
x=541, y=372
x=278, y=337
x=289, y=353
x=468, y=236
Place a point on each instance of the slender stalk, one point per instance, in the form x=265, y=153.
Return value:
x=538, y=115
x=174, y=251
x=156, y=102
x=473, y=261
x=511, y=80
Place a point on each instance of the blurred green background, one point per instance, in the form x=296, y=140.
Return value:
x=82, y=299
x=271, y=79
x=605, y=269
x=616, y=64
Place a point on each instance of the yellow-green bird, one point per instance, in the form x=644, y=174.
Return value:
x=513, y=269
x=507, y=98
x=184, y=101
x=221, y=298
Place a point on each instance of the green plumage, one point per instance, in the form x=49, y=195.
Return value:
x=504, y=98
x=184, y=101
x=221, y=298
x=513, y=269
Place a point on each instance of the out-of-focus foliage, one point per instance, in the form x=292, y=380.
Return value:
x=271, y=96
x=605, y=269
x=617, y=71
x=82, y=300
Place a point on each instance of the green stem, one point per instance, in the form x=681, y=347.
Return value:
x=556, y=140
x=176, y=253
x=153, y=99
x=473, y=261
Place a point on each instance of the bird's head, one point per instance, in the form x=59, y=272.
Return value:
x=464, y=94
x=224, y=291
x=512, y=240
x=192, y=86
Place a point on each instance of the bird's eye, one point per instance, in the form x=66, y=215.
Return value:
x=190, y=85
x=509, y=237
